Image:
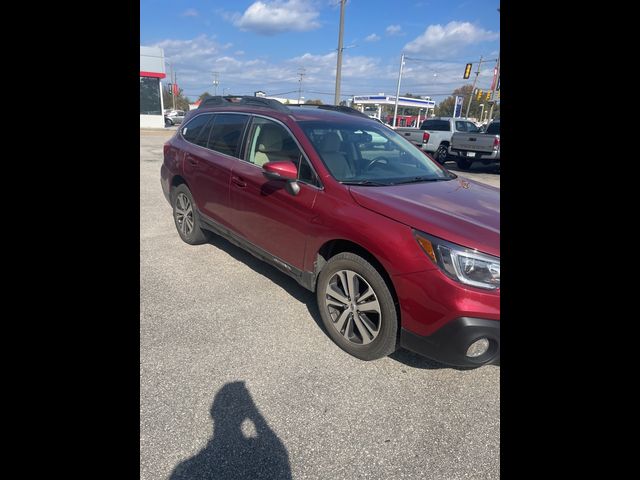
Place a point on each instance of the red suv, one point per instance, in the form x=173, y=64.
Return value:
x=400, y=251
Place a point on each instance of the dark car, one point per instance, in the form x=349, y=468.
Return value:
x=399, y=251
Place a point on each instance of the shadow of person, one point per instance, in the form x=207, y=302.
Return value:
x=243, y=446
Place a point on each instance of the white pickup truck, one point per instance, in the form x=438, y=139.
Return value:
x=483, y=147
x=434, y=135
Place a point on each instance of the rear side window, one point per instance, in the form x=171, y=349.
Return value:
x=226, y=133
x=494, y=128
x=461, y=126
x=196, y=130
x=436, y=125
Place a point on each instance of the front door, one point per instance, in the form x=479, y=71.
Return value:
x=263, y=212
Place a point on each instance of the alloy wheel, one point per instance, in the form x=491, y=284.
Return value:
x=184, y=214
x=353, y=307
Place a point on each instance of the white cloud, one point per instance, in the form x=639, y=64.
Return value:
x=439, y=41
x=322, y=68
x=394, y=30
x=277, y=16
x=190, y=12
x=199, y=48
x=194, y=61
x=372, y=38
x=239, y=52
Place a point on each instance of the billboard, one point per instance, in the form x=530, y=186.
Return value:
x=458, y=109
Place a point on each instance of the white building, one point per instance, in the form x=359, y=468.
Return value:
x=151, y=74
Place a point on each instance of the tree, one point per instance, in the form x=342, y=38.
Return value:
x=204, y=95
x=313, y=102
x=445, y=107
x=182, y=102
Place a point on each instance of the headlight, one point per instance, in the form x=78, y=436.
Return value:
x=461, y=264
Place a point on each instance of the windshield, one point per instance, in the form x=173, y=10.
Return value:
x=370, y=153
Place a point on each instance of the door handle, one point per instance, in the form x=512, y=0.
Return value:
x=238, y=181
x=192, y=160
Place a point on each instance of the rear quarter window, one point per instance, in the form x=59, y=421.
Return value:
x=196, y=131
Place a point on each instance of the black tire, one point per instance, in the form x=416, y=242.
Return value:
x=441, y=154
x=463, y=163
x=195, y=235
x=385, y=341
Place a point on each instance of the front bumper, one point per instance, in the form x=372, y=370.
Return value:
x=449, y=344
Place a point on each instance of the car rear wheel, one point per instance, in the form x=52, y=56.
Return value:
x=463, y=163
x=441, y=154
x=357, y=308
x=185, y=217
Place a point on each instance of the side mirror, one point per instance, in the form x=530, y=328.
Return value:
x=285, y=171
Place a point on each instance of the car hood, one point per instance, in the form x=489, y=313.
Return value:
x=461, y=211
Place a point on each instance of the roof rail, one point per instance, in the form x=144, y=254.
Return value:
x=336, y=108
x=231, y=101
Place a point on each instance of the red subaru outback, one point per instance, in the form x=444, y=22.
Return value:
x=400, y=251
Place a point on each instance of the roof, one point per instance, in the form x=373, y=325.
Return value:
x=299, y=113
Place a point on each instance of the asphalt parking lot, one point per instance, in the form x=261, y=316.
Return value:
x=238, y=379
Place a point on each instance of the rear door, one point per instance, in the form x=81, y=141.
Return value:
x=263, y=212
x=210, y=161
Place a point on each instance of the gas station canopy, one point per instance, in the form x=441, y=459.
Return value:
x=391, y=100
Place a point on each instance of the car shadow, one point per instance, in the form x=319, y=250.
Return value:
x=281, y=279
x=411, y=359
x=308, y=298
x=243, y=447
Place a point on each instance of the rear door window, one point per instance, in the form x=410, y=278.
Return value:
x=226, y=133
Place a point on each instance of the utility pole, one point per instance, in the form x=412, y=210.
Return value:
x=395, y=110
x=474, y=87
x=301, y=73
x=173, y=87
x=336, y=98
x=215, y=82
x=495, y=84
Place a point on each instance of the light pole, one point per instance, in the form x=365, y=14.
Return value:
x=395, y=109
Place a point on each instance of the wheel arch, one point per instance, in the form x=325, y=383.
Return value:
x=339, y=245
x=176, y=181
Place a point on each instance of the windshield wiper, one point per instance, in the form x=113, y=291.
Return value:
x=423, y=179
x=367, y=182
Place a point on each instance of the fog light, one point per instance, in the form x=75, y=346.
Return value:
x=477, y=348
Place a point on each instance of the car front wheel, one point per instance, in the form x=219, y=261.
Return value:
x=357, y=308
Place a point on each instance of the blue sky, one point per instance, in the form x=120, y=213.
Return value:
x=262, y=45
